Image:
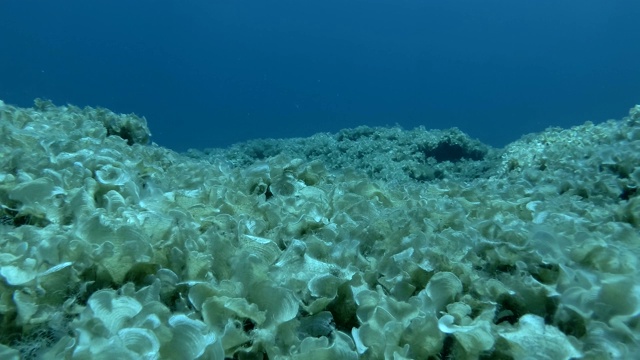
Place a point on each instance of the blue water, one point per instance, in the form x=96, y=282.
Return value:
x=211, y=73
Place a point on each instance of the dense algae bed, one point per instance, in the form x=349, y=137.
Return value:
x=370, y=243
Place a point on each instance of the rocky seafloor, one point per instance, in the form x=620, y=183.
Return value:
x=369, y=243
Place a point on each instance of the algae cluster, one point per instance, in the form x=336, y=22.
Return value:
x=371, y=243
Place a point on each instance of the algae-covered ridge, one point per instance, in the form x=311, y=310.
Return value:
x=370, y=243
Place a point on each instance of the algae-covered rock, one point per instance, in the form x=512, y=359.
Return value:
x=370, y=243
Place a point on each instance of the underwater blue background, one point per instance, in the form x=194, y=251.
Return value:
x=211, y=73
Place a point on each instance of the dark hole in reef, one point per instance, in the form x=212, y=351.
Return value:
x=97, y=278
x=550, y=308
x=343, y=310
x=448, y=151
x=141, y=274
x=546, y=273
x=509, y=309
x=447, y=347
x=500, y=268
x=571, y=323
x=628, y=192
x=248, y=325
x=123, y=133
x=14, y=218
x=268, y=194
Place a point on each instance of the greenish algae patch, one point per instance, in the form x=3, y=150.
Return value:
x=370, y=243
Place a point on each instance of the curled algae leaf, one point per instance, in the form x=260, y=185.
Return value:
x=324, y=285
x=245, y=310
x=111, y=175
x=532, y=336
x=141, y=341
x=279, y=303
x=17, y=276
x=190, y=339
x=114, y=311
x=473, y=338
x=341, y=346
x=114, y=201
x=26, y=305
x=443, y=288
x=265, y=249
x=32, y=192
x=284, y=186
x=8, y=353
x=447, y=326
